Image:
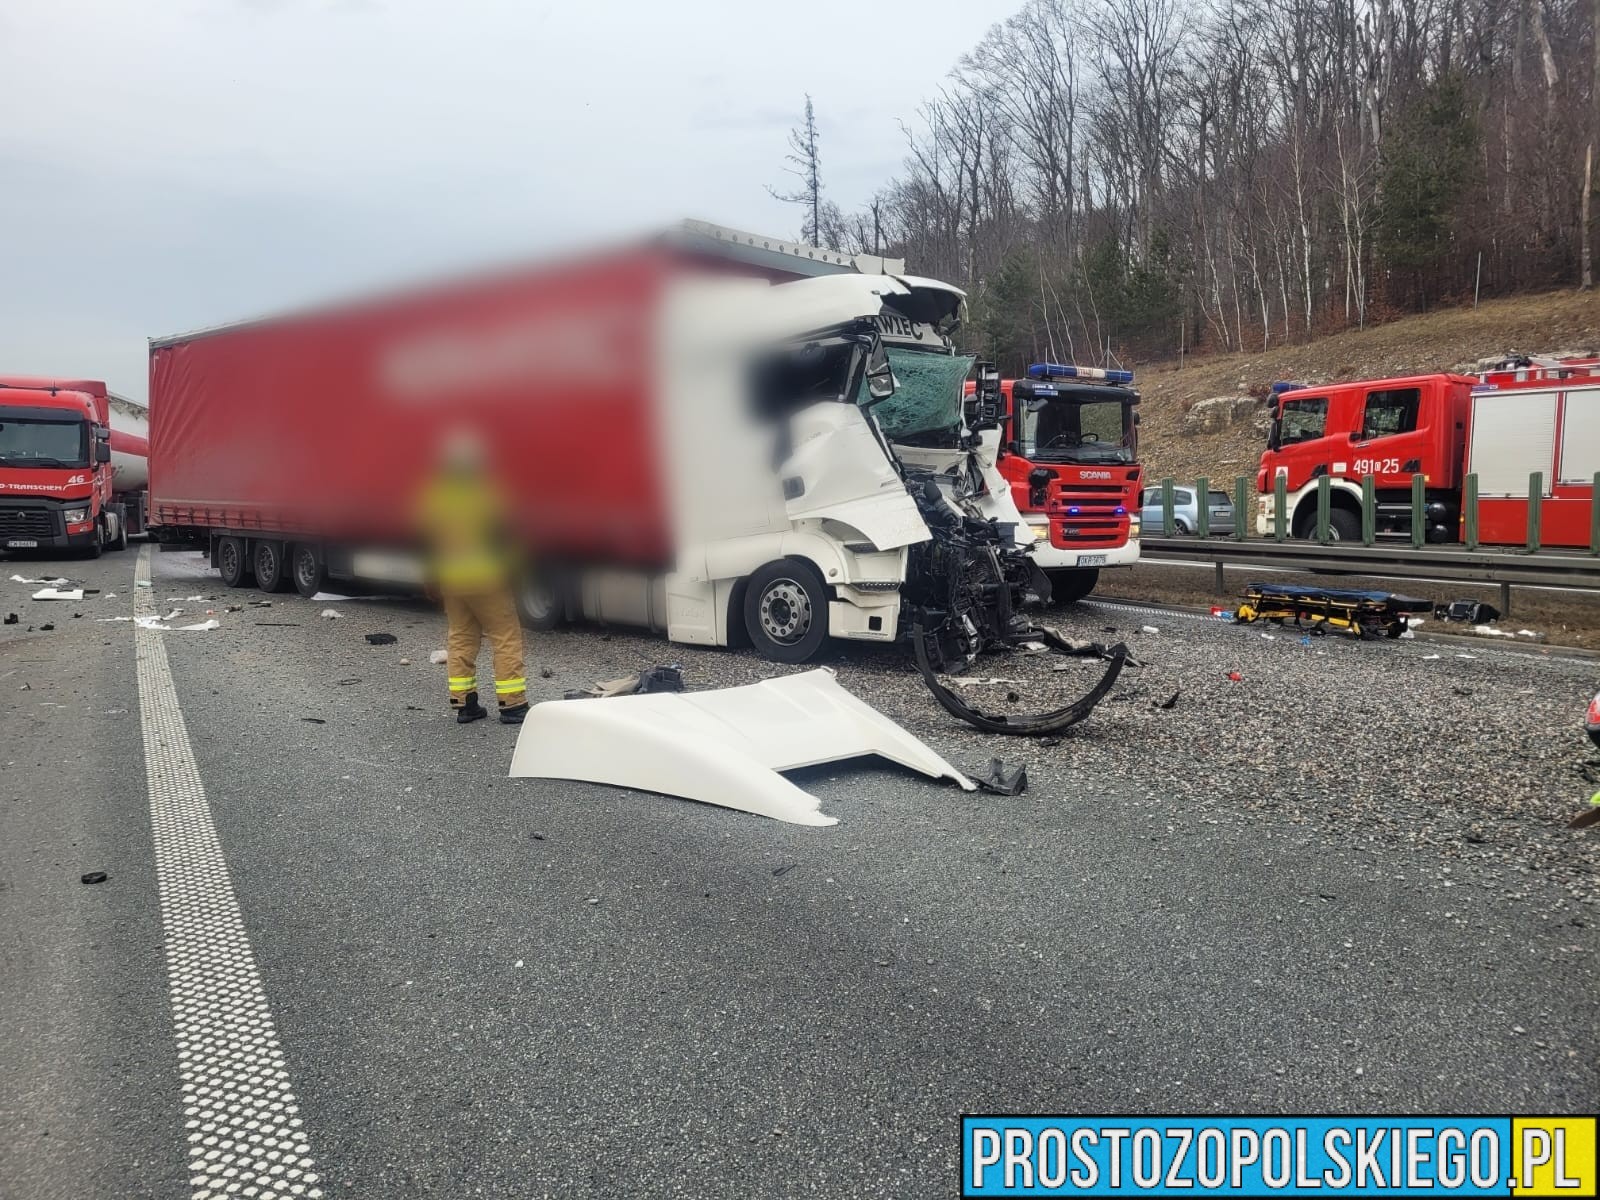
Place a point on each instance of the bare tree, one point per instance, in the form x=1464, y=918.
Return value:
x=805, y=164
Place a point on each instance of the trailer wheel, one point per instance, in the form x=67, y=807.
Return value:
x=539, y=600
x=272, y=574
x=231, y=562
x=1070, y=586
x=786, y=611
x=305, y=565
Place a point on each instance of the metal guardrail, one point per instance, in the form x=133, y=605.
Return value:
x=1405, y=557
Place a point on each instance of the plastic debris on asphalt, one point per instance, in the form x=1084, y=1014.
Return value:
x=1149, y=629
x=997, y=779
x=330, y=614
x=47, y=582
x=157, y=623
x=1490, y=631
x=438, y=657
x=379, y=639
x=56, y=593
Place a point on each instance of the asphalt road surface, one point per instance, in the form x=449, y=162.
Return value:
x=341, y=953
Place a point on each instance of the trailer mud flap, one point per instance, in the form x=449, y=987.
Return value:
x=722, y=747
x=1028, y=725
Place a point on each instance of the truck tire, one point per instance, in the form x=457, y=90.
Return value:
x=1343, y=526
x=232, y=562
x=539, y=601
x=97, y=547
x=1070, y=586
x=121, y=542
x=272, y=572
x=307, y=570
x=786, y=611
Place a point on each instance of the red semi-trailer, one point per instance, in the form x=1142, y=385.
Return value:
x=72, y=465
x=685, y=444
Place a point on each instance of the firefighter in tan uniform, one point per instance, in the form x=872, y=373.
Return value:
x=471, y=570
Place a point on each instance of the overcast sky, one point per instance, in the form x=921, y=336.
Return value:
x=167, y=166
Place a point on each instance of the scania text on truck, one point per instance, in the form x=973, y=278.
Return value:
x=1443, y=427
x=1069, y=451
x=622, y=429
x=72, y=465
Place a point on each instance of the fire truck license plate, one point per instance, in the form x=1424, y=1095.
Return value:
x=1091, y=560
x=22, y=544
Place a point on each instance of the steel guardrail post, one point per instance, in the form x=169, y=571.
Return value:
x=1469, y=514
x=1419, y=531
x=1369, y=510
x=1202, y=512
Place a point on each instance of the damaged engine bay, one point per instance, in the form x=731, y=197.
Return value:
x=966, y=593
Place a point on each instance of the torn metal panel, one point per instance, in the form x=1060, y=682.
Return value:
x=58, y=593
x=721, y=747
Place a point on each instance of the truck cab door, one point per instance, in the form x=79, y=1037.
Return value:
x=1392, y=440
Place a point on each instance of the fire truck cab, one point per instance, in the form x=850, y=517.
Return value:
x=1070, y=452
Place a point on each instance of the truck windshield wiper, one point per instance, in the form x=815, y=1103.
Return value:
x=30, y=461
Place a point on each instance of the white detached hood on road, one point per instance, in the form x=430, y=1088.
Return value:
x=722, y=747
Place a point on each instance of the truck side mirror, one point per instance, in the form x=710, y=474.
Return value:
x=102, y=452
x=880, y=376
x=1275, y=434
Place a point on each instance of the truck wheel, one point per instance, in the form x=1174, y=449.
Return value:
x=97, y=547
x=272, y=573
x=786, y=611
x=121, y=542
x=1343, y=526
x=305, y=565
x=231, y=562
x=1070, y=586
x=539, y=601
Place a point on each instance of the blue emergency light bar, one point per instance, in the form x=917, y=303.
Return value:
x=1067, y=371
x=1285, y=386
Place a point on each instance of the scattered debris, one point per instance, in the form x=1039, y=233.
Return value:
x=277, y=624
x=330, y=615
x=995, y=778
x=157, y=623
x=1528, y=633
x=144, y=583
x=235, y=608
x=1491, y=631
x=1235, y=677
x=1169, y=703
x=57, y=593
x=314, y=720
x=963, y=682
x=655, y=679
x=109, y=596
x=377, y=639
x=1431, y=657
x=546, y=673
x=1268, y=637
x=27, y=687
x=351, y=682
x=1149, y=629
x=1032, y=647
x=46, y=582
x=93, y=877
x=438, y=657
x=173, y=615
x=785, y=869
x=724, y=746
x=12, y=618
x=259, y=603
x=1030, y=725
x=405, y=662
x=46, y=627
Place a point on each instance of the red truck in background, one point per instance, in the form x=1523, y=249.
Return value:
x=1500, y=426
x=1069, y=448
x=72, y=465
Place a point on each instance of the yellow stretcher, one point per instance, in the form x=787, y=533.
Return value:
x=1317, y=609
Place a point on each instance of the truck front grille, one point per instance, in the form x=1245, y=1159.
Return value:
x=26, y=522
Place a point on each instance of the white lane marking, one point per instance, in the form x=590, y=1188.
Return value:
x=241, y=1117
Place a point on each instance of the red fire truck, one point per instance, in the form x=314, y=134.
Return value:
x=1501, y=426
x=1069, y=448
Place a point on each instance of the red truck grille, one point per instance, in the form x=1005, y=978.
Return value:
x=26, y=522
x=1084, y=516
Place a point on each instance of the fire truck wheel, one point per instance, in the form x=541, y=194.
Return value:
x=97, y=547
x=786, y=611
x=305, y=566
x=121, y=542
x=1343, y=525
x=272, y=574
x=1068, y=587
x=231, y=562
